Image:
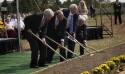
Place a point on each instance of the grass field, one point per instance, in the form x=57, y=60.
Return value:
x=18, y=62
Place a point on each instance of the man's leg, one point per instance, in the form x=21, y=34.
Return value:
x=115, y=18
x=120, y=19
x=42, y=58
x=34, y=49
x=71, y=46
x=50, y=53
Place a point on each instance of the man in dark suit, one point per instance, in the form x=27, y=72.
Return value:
x=117, y=12
x=56, y=31
x=81, y=34
x=37, y=24
x=72, y=17
x=92, y=11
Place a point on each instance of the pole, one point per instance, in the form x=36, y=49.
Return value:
x=18, y=23
x=79, y=43
x=62, y=46
x=49, y=47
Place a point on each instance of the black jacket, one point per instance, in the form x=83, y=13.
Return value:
x=117, y=7
x=33, y=22
x=66, y=13
x=58, y=31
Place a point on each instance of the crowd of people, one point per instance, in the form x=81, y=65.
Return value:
x=10, y=25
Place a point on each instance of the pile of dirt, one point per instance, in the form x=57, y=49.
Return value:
x=87, y=63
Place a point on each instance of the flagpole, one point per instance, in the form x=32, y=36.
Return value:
x=18, y=23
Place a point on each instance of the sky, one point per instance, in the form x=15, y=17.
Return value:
x=65, y=0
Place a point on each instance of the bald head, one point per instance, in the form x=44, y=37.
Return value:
x=59, y=15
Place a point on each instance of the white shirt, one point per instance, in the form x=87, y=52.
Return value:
x=42, y=22
x=56, y=21
x=21, y=24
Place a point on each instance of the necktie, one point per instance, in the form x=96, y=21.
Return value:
x=71, y=24
x=42, y=24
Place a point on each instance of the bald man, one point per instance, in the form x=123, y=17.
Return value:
x=56, y=31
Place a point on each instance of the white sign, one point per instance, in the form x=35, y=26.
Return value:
x=3, y=9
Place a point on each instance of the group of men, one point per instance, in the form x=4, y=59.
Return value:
x=54, y=25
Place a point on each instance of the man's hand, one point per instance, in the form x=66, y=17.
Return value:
x=74, y=35
x=29, y=30
x=62, y=43
x=44, y=40
x=84, y=43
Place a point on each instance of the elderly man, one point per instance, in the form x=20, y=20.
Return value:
x=37, y=24
x=56, y=31
x=72, y=16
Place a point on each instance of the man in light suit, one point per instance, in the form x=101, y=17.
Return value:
x=56, y=31
x=37, y=24
x=72, y=17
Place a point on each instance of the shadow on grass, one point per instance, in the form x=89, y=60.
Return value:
x=15, y=69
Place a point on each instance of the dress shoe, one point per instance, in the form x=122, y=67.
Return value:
x=44, y=65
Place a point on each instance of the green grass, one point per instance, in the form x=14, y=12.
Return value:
x=18, y=63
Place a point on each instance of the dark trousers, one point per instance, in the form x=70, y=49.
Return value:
x=51, y=53
x=81, y=35
x=71, y=46
x=92, y=13
x=117, y=15
x=36, y=48
x=80, y=39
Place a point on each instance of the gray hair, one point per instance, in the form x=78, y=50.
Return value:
x=72, y=6
x=48, y=12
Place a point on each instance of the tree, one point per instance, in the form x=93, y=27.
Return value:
x=45, y=1
x=58, y=3
x=14, y=6
x=4, y=3
x=24, y=6
x=8, y=6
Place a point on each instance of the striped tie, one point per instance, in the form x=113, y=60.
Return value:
x=71, y=24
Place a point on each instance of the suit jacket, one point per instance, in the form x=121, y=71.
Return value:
x=50, y=27
x=33, y=22
x=117, y=7
x=66, y=13
x=81, y=32
x=58, y=31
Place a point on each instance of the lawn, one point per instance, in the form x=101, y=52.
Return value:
x=18, y=63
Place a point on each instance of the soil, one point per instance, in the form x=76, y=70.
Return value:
x=87, y=63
